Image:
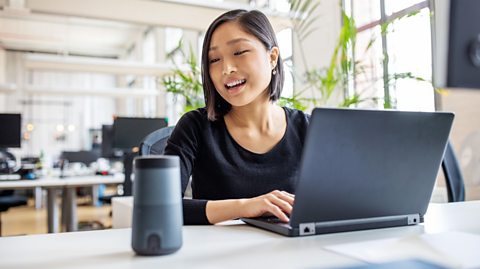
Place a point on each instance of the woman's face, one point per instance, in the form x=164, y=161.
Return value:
x=239, y=64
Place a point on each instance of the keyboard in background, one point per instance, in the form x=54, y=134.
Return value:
x=9, y=177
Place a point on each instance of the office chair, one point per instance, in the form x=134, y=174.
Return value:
x=453, y=176
x=84, y=157
x=154, y=143
x=7, y=200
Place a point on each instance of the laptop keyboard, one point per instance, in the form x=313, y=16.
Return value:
x=273, y=220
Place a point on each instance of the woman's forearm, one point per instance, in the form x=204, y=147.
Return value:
x=276, y=203
x=222, y=210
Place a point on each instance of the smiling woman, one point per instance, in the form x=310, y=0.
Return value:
x=236, y=55
x=242, y=150
x=240, y=40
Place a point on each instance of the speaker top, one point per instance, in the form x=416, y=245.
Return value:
x=158, y=161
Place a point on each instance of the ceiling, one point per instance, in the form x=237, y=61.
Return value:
x=106, y=28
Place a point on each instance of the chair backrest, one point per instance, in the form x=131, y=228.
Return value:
x=154, y=143
x=453, y=176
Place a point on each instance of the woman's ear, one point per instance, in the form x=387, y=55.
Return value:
x=274, y=52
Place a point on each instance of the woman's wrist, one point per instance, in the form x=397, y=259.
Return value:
x=241, y=207
x=222, y=210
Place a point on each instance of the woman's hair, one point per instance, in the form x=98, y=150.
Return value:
x=255, y=23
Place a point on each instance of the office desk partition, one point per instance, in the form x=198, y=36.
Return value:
x=230, y=245
x=68, y=184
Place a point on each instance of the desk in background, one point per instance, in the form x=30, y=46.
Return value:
x=69, y=203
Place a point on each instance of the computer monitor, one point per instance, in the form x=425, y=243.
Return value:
x=82, y=156
x=128, y=133
x=107, y=150
x=10, y=130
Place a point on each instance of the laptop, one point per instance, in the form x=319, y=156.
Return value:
x=364, y=169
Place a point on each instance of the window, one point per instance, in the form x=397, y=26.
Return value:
x=395, y=63
x=285, y=41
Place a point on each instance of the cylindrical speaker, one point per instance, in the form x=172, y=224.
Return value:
x=157, y=205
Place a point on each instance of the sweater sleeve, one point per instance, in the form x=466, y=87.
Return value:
x=184, y=143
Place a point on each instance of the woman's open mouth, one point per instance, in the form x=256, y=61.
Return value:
x=233, y=85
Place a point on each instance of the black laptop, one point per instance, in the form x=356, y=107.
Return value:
x=365, y=169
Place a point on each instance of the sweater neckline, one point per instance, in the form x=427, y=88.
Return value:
x=273, y=149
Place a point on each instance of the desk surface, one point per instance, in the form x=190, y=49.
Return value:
x=232, y=245
x=51, y=182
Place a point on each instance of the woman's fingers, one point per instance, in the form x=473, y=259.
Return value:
x=290, y=198
x=284, y=196
x=288, y=194
x=277, y=212
x=277, y=203
x=283, y=204
x=280, y=204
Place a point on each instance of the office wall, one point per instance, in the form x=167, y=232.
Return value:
x=319, y=46
x=2, y=75
x=2, y=65
x=465, y=135
x=49, y=113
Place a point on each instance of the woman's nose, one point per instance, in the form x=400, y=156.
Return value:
x=228, y=68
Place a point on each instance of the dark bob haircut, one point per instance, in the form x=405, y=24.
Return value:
x=255, y=23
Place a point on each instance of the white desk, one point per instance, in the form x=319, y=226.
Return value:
x=237, y=246
x=69, y=205
x=227, y=246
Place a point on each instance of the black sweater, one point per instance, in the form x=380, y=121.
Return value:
x=222, y=169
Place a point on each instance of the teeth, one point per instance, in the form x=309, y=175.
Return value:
x=235, y=83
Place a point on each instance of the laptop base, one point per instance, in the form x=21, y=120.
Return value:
x=325, y=227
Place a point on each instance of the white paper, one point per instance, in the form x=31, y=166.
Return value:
x=451, y=249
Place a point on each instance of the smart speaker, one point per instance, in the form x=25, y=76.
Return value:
x=157, y=205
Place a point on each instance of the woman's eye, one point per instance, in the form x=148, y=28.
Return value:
x=240, y=52
x=214, y=60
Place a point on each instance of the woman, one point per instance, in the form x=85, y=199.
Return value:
x=242, y=150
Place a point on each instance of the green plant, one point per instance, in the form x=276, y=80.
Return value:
x=185, y=82
x=339, y=72
x=323, y=82
x=343, y=69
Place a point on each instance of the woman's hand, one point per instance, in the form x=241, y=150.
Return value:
x=277, y=203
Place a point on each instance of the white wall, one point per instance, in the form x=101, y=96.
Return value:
x=47, y=111
x=465, y=135
x=3, y=63
x=319, y=46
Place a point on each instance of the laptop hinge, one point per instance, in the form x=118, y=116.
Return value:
x=409, y=219
x=413, y=219
x=311, y=228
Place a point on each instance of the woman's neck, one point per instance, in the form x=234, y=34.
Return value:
x=261, y=115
